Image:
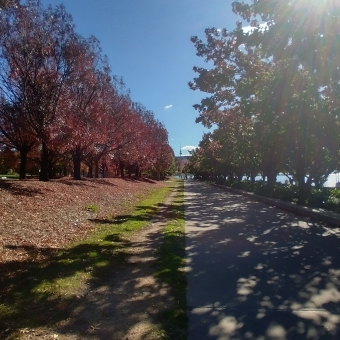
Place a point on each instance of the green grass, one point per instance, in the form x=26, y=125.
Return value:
x=40, y=293
x=170, y=269
x=15, y=176
x=91, y=207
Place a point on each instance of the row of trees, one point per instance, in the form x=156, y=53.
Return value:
x=273, y=94
x=59, y=99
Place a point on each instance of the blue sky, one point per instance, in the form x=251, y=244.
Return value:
x=148, y=43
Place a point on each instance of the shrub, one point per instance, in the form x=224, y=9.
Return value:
x=285, y=192
x=260, y=188
x=327, y=198
x=243, y=185
x=220, y=180
x=332, y=201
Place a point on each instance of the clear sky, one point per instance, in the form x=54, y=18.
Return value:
x=148, y=43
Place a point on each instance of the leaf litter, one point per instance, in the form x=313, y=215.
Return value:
x=35, y=216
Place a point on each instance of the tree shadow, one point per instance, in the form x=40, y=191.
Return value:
x=138, y=179
x=25, y=286
x=15, y=188
x=100, y=181
x=257, y=272
x=101, y=220
x=72, y=182
x=23, y=289
x=149, y=213
x=84, y=181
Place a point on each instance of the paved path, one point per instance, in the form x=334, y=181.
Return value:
x=256, y=272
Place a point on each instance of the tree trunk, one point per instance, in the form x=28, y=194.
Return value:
x=90, y=173
x=76, y=165
x=23, y=163
x=44, y=164
x=302, y=189
x=301, y=179
x=319, y=181
x=231, y=178
x=239, y=178
x=96, y=168
x=271, y=180
x=50, y=170
x=121, y=167
x=252, y=181
x=137, y=171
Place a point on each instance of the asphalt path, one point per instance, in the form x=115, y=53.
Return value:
x=256, y=272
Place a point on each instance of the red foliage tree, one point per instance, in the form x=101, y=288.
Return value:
x=17, y=133
x=117, y=128
x=36, y=61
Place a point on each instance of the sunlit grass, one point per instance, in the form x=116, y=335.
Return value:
x=170, y=269
x=39, y=293
x=91, y=207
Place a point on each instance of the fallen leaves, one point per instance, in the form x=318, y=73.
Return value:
x=39, y=216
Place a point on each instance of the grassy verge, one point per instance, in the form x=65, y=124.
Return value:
x=5, y=176
x=41, y=293
x=170, y=269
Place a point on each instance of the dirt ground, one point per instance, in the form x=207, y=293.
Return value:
x=43, y=215
x=128, y=305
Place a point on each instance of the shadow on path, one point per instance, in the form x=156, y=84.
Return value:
x=256, y=272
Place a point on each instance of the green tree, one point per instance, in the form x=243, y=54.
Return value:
x=240, y=103
x=284, y=80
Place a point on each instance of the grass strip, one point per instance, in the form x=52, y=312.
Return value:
x=5, y=176
x=170, y=269
x=41, y=293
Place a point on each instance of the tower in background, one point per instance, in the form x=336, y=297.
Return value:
x=182, y=160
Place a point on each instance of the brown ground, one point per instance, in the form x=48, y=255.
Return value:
x=43, y=215
x=51, y=214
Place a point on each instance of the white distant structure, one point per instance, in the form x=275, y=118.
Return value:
x=337, y=184
x=182, y=160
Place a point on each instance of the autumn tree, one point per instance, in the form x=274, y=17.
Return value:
x=4, y=4
x=161, y=155
x=8, y=159
x=80, y=111
x=144, y=146
x=36, y=59
x=204, y=161
x=118, y=125
x=58, y=97
x=234, y=105
x=16, y=133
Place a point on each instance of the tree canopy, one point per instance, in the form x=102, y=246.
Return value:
x=59, y=100
x=273, y=91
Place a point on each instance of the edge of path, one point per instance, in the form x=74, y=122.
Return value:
x=131, y=305
x=332, y=219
